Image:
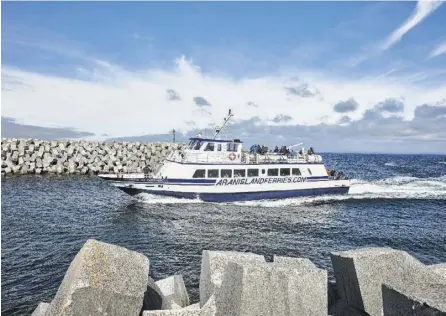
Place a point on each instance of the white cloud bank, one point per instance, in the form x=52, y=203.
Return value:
x=110, y=100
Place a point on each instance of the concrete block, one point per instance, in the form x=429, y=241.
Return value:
x=360, y=273
x=293, y=262
x=214, y=263
x=209, y=309
x=174, y=292
x=439, y=269
x=268, y=289
x=193, y=306
x=153, y=297
x=102, y=279
x=415, y=299
x=40, y=309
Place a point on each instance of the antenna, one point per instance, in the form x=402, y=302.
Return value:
x=218, y=129
x=296, y=145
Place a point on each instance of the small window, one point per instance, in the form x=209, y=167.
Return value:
x=239, y=173
x=284, y=172
x=263, y=171
x=219, y=147
x=232, y=147
x=209, y=147
x=198, y=145
x=253, y=172
x=199, y=173
x=273, y=172
x=226, y=173
x=296, y=172
x=309, y=171
x=213, y=173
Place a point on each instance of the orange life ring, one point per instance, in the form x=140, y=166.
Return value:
x=231, y=156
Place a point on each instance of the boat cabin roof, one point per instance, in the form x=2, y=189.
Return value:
x=215, y=140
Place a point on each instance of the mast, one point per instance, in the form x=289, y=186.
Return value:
x=218, y=129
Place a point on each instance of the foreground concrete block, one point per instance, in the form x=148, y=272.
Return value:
x=214, y=263
x=174, y=292
x=439, y=269
x=209, y=309
x=360, y=274
x=153, y=297
x=294, y=262
x=102, y=279
x=272, y=289
x=418, y=299
x=40, y=309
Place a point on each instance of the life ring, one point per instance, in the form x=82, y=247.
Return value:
x=231, y=156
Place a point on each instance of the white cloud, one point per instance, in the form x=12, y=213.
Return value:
x=439, y=50
x=119, y=102
x=423, y=9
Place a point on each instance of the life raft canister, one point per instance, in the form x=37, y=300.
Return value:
x=231, y=156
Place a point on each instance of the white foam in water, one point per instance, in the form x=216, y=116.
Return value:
x=158, y=199
x=443, y=162
x=398, y=187
x=390, y=164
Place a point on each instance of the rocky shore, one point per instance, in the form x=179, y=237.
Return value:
x=105, y=279
x=33, y=156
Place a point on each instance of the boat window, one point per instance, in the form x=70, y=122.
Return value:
x=253, y=172
x=199, y=173
x=239, y=173
x=209, y=147
x=219, y=147
x=296, y=172
x=232, y=147
x=198, y=145
x=226, y=173
x=263, y=171
x=273, y=172
x=213, y=173
x=309, y=171
x=191, y=144
x=284, y=171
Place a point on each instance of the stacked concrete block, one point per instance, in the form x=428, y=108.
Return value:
x=439, y=269
x=40, y=309
x=415, y=299
x=209, y=309
x=361, y=273
x=213, y=265
x=174, y=293
x=32, y=156
x=257, y=288
x=102, y=279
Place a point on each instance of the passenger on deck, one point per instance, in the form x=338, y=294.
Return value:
x=276, y=149
x=310, y=151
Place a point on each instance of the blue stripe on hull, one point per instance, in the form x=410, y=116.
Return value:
x=247, y=196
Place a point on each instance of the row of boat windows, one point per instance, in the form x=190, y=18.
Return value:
x=227, y=173
x=197, y=145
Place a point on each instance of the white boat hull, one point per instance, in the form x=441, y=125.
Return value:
x=230, y=190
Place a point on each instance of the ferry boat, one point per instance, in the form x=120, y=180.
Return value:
x=218, y=170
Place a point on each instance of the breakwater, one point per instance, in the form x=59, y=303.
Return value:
x=33, y=156
x=104, y=279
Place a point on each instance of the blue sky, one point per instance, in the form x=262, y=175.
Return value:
x=285, y=66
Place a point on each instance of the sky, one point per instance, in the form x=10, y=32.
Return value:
x=339, y=76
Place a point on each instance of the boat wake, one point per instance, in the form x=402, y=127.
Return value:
x=148, y=198
x=397, y=187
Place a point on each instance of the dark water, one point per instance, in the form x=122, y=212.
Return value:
x=396, y=201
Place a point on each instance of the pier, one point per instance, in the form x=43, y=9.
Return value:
x=33, y=156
